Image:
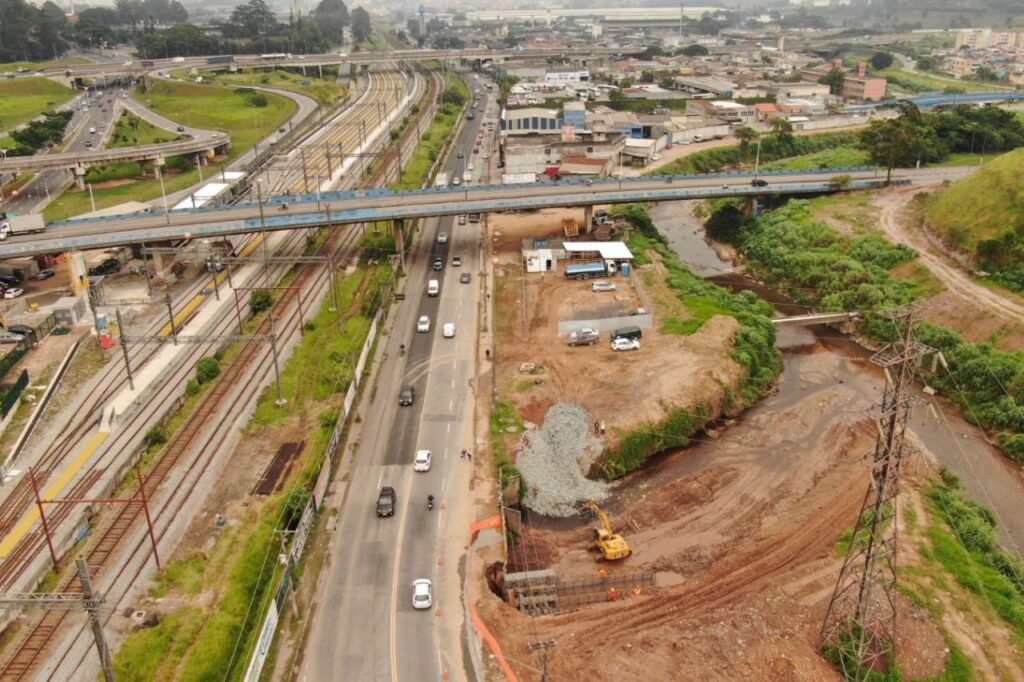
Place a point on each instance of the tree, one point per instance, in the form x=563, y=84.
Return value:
x=360, y=25
x=746, y=135
x=332, y=18
x=901, y=141
x=452, y=96
x=834, y=80
x=694, y=50
x=252, y=19
x=260, y=300
x=925, y=64
x=986, y=74
x=881, y=60
x=782, y=130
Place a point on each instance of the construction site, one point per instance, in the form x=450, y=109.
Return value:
x=739, y=560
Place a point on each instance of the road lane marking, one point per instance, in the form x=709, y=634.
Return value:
x=394, y=582
x=449, y=427
x=380, y=479
x=451, y=403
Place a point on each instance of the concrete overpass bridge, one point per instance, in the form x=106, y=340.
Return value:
x=340, y=208
x=135, y=67
x=817, y=318
x=79, y=162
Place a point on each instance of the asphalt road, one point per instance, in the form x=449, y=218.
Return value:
x=370, y=205
x=364, y=622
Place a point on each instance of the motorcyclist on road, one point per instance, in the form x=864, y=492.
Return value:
x=430, y=501
x=401, y=348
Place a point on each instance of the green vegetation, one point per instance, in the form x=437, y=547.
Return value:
x=323, y=365
x=200, y=106
x=839, y=157
x=773, y=147
x=505, y=420
x=811, y=263
x=51, y=64
x=984, y=214
x=915, y=82
x=754, y=347
x=132, y=131
x=24, y=98
x=46, y=131
x=432, y=141
x=325, y=90
x=969, y=552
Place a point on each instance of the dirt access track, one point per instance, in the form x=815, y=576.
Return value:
x=741, y=532
x=623, y=389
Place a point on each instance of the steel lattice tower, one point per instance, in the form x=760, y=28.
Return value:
x=859, y=632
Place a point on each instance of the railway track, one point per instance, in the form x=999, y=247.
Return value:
x=111, y=540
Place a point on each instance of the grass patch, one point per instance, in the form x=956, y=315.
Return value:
x=200, y=106
x=50, y=64
x=432, y=141
x=324, y=90
x=772, y=149
x=913, y=81
x=839, y=157
x=506, y=423
x=25, y=98
x=132, y=131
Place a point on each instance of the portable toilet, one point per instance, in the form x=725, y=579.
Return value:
x=101, y=321
x=625, y=269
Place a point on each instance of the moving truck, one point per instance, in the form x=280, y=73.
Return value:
x=21, y=224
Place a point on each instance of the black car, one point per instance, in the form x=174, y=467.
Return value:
x=181, y=129
x=8, y=281
x=107, y=267
x=470, y=116
x=45, y=274
x=406, y=396
x=21, y=329
x=759, y=183
x=438, y=263
x=386, y=501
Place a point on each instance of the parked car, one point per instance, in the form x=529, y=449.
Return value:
x=22, y=329
x=625, y=344
x=422, y=594
x=423, y=325
x=586, y=336
x=13, y=292
x=602, y=286
x=422, y=462
x=456, y=261
x=181, y=129
x=44, y=274
x=486, y=156
x=758, y=182
x=456, y=182
x=464, y=278
x=462, y=219
x=442, y=237
x=280, y=130
x=448, y=330
x=386, y=501
x=406, y=396
x=7, y=337
x=8, y=281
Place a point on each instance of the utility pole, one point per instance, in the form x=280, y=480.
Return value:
x=860, y=624
x=543, y=648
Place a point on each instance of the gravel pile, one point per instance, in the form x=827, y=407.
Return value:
x=554, y=459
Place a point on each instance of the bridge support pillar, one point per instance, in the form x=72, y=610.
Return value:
x=588, y=217
x=750, y=206
x=158, y=164
x=79, y=173
x=400, y=242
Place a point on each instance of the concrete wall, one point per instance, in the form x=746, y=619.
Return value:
x=607, y=324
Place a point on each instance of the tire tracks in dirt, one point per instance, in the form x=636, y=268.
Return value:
x=953, y=276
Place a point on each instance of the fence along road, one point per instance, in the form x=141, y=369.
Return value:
x=296, y=212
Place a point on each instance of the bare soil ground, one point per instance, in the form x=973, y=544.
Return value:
x=742, y=533
x=623, y=389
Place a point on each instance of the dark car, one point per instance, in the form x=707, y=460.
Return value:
x=759, y=183
x=406, y=396
x=386, y=501
x=464, y=278
x=22, y=329
x=438, y=263
x=107, y=267
x=8, y=281
x=470, y=116
x=45, y=274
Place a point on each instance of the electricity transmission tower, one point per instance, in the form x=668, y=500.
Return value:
x=859, y=632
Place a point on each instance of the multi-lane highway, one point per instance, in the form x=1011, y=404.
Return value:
x=371, y=205
x=364, y=622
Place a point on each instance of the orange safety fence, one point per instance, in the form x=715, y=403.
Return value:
x=478, y=623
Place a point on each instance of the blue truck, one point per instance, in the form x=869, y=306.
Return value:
x=589, y=269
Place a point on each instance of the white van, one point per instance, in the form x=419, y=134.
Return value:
x=433, y=288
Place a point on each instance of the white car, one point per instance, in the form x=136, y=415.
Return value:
x=656, y=157
x=14, y=292
x=602, y=286
x=422, y=462
x=486, y=156
x=423, y=325
x=442, y=237
x=462, y=219
x=625, y=344
x=449, y=330
x=422, y=594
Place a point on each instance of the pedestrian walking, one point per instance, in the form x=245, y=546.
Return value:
x=597, y=427
x=602, y=427
x=462, y=455
x=469, y=455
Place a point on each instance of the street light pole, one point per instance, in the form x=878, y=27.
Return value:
x=263, y=231
x=757, y=159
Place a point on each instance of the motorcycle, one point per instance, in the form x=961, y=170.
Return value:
x=430, y=502
x=401, y=349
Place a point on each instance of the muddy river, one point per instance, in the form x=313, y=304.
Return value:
x=818, y=358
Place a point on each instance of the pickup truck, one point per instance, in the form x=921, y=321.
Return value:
x=588, y=269
x=21, y=224
x=386, y=501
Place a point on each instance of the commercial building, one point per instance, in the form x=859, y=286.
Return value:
x=582, y=76
x=866, y=89
x=530, y=120
x=727, y=110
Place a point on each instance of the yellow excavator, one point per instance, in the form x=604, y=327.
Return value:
x=611, y=544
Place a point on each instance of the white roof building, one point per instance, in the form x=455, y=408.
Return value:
x=608, y=250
